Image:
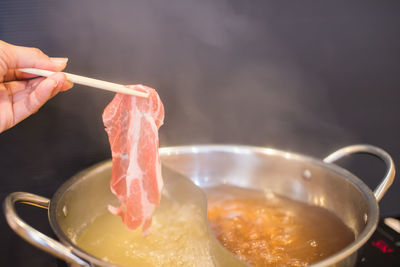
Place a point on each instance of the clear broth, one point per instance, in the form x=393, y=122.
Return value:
x=178, y=237
x=264, y=229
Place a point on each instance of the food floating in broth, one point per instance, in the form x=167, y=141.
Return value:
x=265, y=229
x=132, y=126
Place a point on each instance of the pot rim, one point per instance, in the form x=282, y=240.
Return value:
x=360, y=240
x=373, y=216
x=82, y=175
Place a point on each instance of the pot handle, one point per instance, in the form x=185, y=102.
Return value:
x=30, y=234
x=387, y=181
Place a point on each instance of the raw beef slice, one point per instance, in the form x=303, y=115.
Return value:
x=132, y=126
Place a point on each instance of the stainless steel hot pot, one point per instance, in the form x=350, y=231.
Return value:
x=314, y=181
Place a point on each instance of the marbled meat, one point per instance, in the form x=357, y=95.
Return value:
x=132, y=126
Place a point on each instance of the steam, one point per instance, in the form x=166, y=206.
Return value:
x=223, y=75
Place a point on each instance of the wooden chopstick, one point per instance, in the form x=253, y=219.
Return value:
x=114, y=87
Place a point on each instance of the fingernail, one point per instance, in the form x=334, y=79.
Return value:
x=67, y=85
x=61, y=61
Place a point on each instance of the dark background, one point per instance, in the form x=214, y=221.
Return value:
x=308, y=77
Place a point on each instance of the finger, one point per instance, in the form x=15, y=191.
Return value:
x=16, y=86
x=21, y=89
x=30, y=57
x=13, y=57
x=15, y=74
x=45, y=90
x=6, y=114
x=66, y=86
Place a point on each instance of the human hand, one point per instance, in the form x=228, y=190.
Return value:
x=22, y=94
